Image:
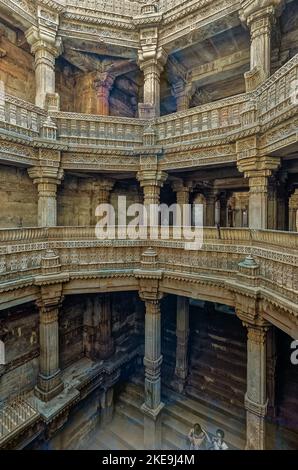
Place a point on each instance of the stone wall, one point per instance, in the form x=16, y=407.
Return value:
x=71, y=330
x=16, y=66
x=18, y=197
x=20, y=333
x=123, y=316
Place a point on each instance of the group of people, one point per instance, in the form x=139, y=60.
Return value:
x=200, y=440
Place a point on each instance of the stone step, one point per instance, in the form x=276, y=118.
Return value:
x=127, y=433
x=215, y=392
x=131, y=415
x=105, y=440
x=217, y=386
x=186, y=410
x=216, y=402
x=224, y=377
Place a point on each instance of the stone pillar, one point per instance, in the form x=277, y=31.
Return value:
x=152, y=361
x=46, y=47
x=223, y=210
x=106, y=406
x=272, y=204
x=256, y=395
x=210, y=197
x=258, y=201
x=101, y=189
x=293, y=211
x=103, y=84
x=271, y=371
x=259, y=19
x=49, y=383
x=182, y=334
x=47, y=179
x=151, y=182
x=104, y=343
x=182, y=91
x=182, y=199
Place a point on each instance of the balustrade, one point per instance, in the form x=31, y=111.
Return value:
x=14, y=416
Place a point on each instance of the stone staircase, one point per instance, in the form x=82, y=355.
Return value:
x=179, y=415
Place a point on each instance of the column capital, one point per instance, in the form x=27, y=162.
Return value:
x=152, y=59
x=151, y=177
x=44, y=40
x=254, y=10
x=42, y=174
x=255, y=166
x=103, y=81
x=257, y=333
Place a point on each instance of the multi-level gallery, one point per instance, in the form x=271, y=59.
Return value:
x=128, y=343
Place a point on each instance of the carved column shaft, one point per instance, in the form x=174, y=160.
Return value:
x=182, y=334
x=256, y=395
x=46, y=46
x=260, y=24
x=49, y=382
x=152, y=71
x=293, y=210
x=152, y=362
x=103, y=85
x=47, y=181
x=210, y=197
x=258, y=202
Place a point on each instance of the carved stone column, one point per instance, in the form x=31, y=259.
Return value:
x=259, y=19
x=106, y=406
x=49, y=383
x=293, y=211
x=151, y=181
x=47, y=179
x=182, y=191
x=258, y=170
x=149, y=276
x=182, y=91
x=152, y=69
x=45, y=47
x=223, y=209
x=182, y=334
x=101, y=189
x=256, y=395
x=103, y=84
x=210, y=197
x=152, y=362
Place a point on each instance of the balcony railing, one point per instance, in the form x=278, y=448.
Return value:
x=95, y=131
x=210, y=120
x=21, y=252
x=20, y=118
x=15, y=416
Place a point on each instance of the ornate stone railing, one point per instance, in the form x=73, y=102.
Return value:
x=15, y=416
x=20, y=118
x=278, y=94
x=81, y=253
x=203, y=122
x=95, y=131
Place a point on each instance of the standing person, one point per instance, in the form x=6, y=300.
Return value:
x=218, y=441
x=198, y=438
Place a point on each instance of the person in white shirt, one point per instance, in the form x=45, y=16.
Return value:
x=218, y=441
x=198, y=438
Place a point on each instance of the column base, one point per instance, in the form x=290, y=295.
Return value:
x=255, y=425
x=48, y=387
x=152, y=427
x=178, y=384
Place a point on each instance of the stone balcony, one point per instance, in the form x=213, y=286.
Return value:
x=213, y=124
x=216, y=271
